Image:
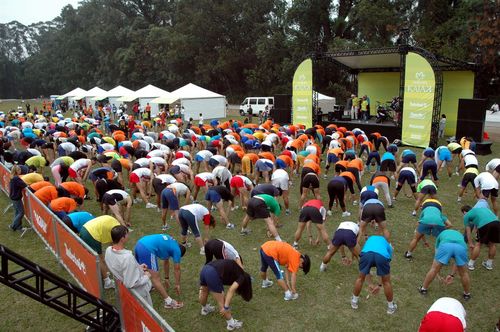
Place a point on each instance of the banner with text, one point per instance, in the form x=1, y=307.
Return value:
x=302, y=94
x=4, y=178
x=418, y=101
x=42, y=220
x=79, y=260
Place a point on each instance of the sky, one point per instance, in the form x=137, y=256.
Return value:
x=32, y=11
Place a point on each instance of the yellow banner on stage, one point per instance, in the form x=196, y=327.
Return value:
x=302, y=94
x=418, y=101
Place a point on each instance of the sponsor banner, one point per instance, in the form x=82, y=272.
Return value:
x=418, y=101
x=135, y=314
x=41, y=219
x=78, y=259
x=4, y=178
x=302, y=94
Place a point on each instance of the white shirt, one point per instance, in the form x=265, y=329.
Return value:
x=470, y=159
x=198, y=210
x=228, y=251
x=280, y=174
x=181, y=161
x=180, y=188
x=205, y=154
x=350, y=226
x=222, y=173
x=166, y=178
x=120, y=192
x=221, y=159
x=450, y=306
x=206, y=176
x=485, y=181
x=492, y=164
x=80, y=164
x=143, y=172
x=143, y=162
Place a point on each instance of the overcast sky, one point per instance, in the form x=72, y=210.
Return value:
x=32, y=11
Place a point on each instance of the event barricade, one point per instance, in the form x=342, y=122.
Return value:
x=82, y=262
x=137, y=314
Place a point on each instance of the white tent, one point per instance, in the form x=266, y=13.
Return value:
x=326, y=103
x=95, y=91
x=72, y=93
x=114, y=94
x=145, y=95
x=196, y=100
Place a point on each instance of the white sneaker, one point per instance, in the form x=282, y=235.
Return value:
x=202, y=251
x=236, y=324
x=137, y=200
x=354, y=304
x=414, y=213
x=459, y=199
x=267, y=283
x=322, y=267
x=329, y=212
x=471, y=267
x=391, y=310
x=230, y=226
x=289, y=296
x=487, y=266
x=207, y=309
x=150, y=206
x=346, y=214
x=108, y=283
x=158, y=209
x=354, y=203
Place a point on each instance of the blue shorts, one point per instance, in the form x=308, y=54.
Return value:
x=267, y=261
x=433, y=230
x=169, y=200
x=429, y=166
x=445, y=251
x=263, y=166
x=370, y=259
x=406, y=176
x=332, y=158
x=444, y=155
x=188, y=220
x=213, y=196
x=60, y=151
x=213, y=162
x=199, y=158
x=211, y=279
x=144, y=256
x=429, y=153
x=409, y=158
x=344, y=237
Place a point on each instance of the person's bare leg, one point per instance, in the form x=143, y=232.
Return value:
x=433, y=272
x=386, y=282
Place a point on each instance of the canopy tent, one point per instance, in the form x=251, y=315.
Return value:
x=95, y=91
x=114, y=94
x=326, y=103
x=145, y=95
x=196, y=100
x=72, y=93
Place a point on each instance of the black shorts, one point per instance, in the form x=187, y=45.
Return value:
x=212, y=162
x=373, y=212
x=388, y=165
x=428, y=190
x=486, y=193
x=344, y=237
x=468, y=178
x=234, y=158
x=310, y=180
x=109, y=199
x=158, y=186
x=116, y=166
x=497, y=169
x=489, y=233
x=257, y=209
x=135, y=166
x=339, y=168
x=406, y=176
x=411, y=158
x=310, y=213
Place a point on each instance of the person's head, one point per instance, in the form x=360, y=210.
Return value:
x=465, y=209
x=78, y=200
x=16, y=170
x=443, y=116
x=305, y=263
x=201, y=114
x=118, y=233
x=245, y=289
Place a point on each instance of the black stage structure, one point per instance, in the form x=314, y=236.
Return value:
x=387, y=59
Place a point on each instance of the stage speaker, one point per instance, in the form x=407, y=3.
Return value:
x=283, y=102
x=470, y=118
x=281, y=115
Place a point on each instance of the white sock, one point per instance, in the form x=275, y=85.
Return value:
x=489, y=261
x=295, y=243
x=472, y=262
x=230, y=321
x=355, y=298
x=390, y=304
x=278, y=238
x=168, y=300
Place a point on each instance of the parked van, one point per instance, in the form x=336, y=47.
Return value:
x=258, y=104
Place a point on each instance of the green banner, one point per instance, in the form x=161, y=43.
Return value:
x=302, y=94
x=418, y=101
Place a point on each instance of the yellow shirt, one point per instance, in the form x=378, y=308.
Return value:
x=31, y=178
x=100, y=228
x=37, y=161
x=364, y=105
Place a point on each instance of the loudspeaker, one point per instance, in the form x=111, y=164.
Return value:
x=470, y=118
x=281, y=115
x=283, y=102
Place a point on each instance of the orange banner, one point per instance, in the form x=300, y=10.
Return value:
x=4, y=178
x=134, y=316
x=78, y=260
x=41, y=219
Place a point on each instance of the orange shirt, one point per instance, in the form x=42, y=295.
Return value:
x=297, y=144
x=370, y=145
x=65, y=204
x=125, y=163
x=288, y=161
x=39, y=185
x=267, y=155
x=336, y=151
x=343, y=163
x=236, y=147
x=284, y=253
x=46, y=194
x=349, y=175
x=315, y=167
x=381, y=178
x=74, y=188
x=253, y=157
x=313, y=157
x=356, y=163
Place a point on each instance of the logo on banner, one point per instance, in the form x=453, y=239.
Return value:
x=81, y=265
x=144, y=327
x=419, y=75
x=40, y=222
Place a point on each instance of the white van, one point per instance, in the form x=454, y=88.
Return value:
x=258, y=104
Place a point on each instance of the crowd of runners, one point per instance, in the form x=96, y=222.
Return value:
x=188, y=172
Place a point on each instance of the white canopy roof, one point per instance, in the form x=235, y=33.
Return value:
x=188, y=91
x=74, y=92
x=117, y=91
x=324, y=97
x=95, y=91
x=149, y=91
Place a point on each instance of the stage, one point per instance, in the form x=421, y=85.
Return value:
x=386, y=128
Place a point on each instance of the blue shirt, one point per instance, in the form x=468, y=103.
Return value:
x=78, y=219
x=443, y=153
x=408, y=152
x=378, y=244
x=373, y=201
x=162, y=246
x=387, y=156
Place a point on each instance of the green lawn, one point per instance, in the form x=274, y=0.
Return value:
x=323, y=304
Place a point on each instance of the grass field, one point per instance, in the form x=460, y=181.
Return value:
x=323, y=304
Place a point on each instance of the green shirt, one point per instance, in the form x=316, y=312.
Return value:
x=425, y=182
x=479, y=217
x=37, y=161
x=271, y=202
x=432, y=216
x=364, y=105
x=450, y=236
